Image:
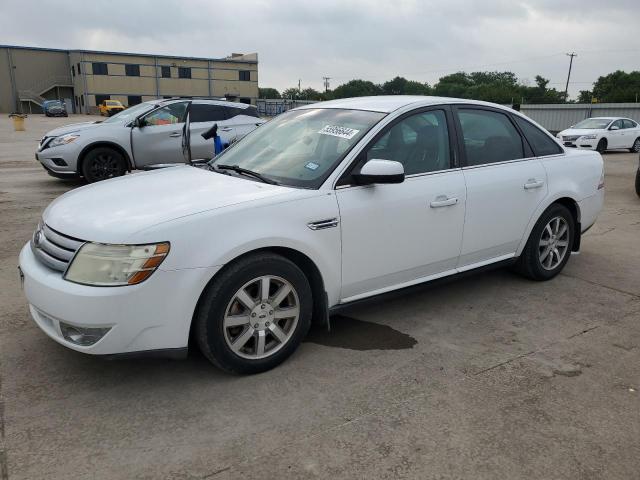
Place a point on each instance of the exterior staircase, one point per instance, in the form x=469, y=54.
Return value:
x=34, y=94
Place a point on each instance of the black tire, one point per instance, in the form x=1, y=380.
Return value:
x=602, y=145
x=209, y=329
x=103, y=163
x=638, y=181
x=636, y=146
x=529, y=263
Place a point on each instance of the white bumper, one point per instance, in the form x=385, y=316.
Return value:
x=153, y=315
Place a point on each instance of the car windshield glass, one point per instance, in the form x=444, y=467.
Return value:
x=130, y=113
x=113, y=102
x=302, y=147
x=593, y=123
x=53, y=103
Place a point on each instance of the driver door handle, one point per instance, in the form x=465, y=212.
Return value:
x=226, y=129
x=443, y=201
x=176, y=134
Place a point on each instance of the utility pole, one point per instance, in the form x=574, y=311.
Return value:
x=326, y=83
x=299, y=81
x=566, y=89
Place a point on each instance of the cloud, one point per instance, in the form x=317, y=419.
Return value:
x=347, y=39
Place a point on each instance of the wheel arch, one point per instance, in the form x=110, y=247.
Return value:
x=562, y=199
x=85, y=151
x=302, y=261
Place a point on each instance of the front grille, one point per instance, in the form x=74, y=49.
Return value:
x=571, y=138
x=53, y=248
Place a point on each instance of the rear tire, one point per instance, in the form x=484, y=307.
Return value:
x=635, y=148
x=638, y=182
x=602, y=146
x=243, y=327
x=549, y=246
x=103, y=163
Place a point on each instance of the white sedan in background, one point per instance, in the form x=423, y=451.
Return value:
x=603, y=133
x=325, y=205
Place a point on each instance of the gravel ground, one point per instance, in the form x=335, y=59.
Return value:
x=488, y=377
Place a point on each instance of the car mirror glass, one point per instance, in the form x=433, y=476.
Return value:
x=380, y=171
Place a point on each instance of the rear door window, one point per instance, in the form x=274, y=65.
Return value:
x=489, y=137
x=629, y=124
x=541, y=143
x=202, y=112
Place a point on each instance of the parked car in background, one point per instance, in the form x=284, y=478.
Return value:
x=54, y=108
x=325, y=205
x=603, y=133
x=110, y=107
x=149, y=133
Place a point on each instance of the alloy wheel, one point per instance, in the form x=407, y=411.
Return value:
x=261, y=317
x=554, y=243
x=104, y=166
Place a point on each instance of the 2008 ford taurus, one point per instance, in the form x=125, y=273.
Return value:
x=324, y=205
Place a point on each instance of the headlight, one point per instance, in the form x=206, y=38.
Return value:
x=63, y=140
x=589, y=137
x=115, y=265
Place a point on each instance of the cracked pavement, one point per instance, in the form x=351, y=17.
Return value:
x=492, y=376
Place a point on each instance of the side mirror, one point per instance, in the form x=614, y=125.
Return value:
x=614, y=127
x=139, y=122
x=380, y=171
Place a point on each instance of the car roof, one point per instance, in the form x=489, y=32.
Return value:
x=208, y=101
x=389, y=103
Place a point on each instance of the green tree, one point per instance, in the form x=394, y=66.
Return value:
x=618, y=86
x=402, y=86
x=292, y=93
x=311, y=94
x=268, y=93
x=356, y=88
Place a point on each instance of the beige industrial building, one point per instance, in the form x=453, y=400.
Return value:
x=84, y=78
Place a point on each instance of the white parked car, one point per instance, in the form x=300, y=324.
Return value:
x=149, y=133
x=602, y=134
x=325, y=205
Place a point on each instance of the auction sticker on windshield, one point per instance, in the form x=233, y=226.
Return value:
x=337, y=131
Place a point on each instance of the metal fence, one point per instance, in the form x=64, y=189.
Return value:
x=554, y=117
x=558, y=117
x=273, y=107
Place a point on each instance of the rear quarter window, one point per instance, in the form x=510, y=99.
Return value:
x=541, y=143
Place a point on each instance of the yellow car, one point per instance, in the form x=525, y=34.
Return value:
x=110, y=107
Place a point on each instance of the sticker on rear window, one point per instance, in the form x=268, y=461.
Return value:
x=336, y=131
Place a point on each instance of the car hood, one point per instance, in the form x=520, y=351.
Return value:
x=113, y=210
x=580, y=131
x=73, y=127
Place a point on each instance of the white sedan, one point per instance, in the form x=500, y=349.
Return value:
x=602, y=134
x=325, y=205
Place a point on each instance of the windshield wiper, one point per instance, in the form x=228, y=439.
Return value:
x=245, y=171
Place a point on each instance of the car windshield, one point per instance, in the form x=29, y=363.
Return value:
x=53, y=103
x=597, y=123
x=130, y=113
x=113, y=102
x=302, y=147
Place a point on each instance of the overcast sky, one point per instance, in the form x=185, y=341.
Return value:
x=346, y=39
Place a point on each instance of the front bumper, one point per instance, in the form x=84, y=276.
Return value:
x=582, y=143
x=62, y=160
x=154, y=315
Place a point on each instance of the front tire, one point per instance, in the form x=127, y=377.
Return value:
x=254, y=314
x=103, y=163
x=549, y=246
x=635, y=148
x=602, y=146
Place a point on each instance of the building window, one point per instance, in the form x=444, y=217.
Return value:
x=184, y=72
x=82, y=100
x=134, y=100
x=99, y=68
x=102, y=98
x=79, y=72
x=132, y=70
x=73, y=70
x=245, y=75
x=166, y=72
x=76, y=97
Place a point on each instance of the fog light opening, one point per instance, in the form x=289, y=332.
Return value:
x=83, y=336
x=59, y=162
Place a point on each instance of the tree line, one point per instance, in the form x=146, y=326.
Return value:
x=497, y=87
